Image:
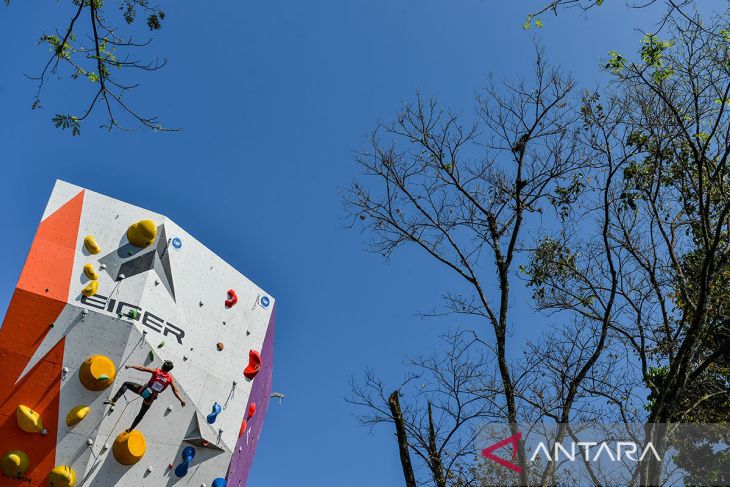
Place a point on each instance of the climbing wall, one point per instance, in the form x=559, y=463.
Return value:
x=107, y=285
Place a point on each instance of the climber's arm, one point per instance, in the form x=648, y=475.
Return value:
x=176, y=392
x=140, y=368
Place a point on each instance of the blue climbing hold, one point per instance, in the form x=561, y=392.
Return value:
x=187, y=455
x=214, y=413
x=219, y=482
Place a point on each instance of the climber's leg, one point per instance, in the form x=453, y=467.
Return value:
x=142, y=411
x=133, y=386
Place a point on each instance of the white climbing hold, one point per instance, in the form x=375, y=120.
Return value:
x=149, y=469
x=102, y=266
x=89, y=441
x=44, y=432
x=121, y=276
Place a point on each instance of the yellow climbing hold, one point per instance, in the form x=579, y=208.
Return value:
x=15, y=463
x=142, y=233
x=97, y=372
x=91, y=245
x=62, y=476
x=77, y=414
x=91, y=272
x=129, y=447
x=91, y=288
x=28, y=420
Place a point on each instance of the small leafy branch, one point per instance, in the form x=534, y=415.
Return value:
x=91, y=49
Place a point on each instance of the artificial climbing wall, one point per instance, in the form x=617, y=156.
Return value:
x=107, y=284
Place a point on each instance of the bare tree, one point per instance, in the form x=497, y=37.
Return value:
x=635, y=262
x=660, y=154
x=436, y=410
x=463, y=192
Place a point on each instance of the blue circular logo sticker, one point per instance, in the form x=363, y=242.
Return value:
x=176, y=243
x=265, y=302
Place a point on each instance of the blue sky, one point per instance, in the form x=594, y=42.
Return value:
x=274, y=98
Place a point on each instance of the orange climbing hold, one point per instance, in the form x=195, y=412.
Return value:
x=97, y=372
x=254, y=365
x=129, y=447
x=251, y=410
x=232, y=300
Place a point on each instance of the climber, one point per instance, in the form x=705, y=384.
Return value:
x=161, y=378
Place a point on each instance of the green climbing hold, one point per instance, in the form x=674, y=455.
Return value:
x=162, y=344
x=151, y=356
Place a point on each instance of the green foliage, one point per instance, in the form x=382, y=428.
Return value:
x=565, y=196
x=616, y=62
x=552, y=265
x=67, y=122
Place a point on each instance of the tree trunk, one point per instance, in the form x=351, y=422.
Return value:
x=400, y=429
x=434, y=456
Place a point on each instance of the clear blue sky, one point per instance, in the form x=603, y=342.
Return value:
x=274, y=97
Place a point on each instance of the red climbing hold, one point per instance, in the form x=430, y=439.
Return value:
x=254, y=365
x=232, y=300
x=243, y=428
x=251, y=410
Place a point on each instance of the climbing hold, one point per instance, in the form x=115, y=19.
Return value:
x=90, y=289
x=244, y=424
x=62, y=476
x=254, y=365
x=187, y=455
x=91, y=245
x=232, y=300
x=133, y=313
x=151, y=356
x=89, y=441
x=44, y=432
x=97, y=372
x=102, y=266
x=142, y=233
x=162, y=344
x=28, y=420
x=15, y=463
x=129, y=447
x=220, y=346
x=214, y=413
x=251, y=410
x=77, y=414
x=219, y=482
x=149, y=469
x=90, y=272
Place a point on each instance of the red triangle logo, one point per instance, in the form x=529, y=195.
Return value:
x=514, y=440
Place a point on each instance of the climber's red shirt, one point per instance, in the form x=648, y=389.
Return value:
x=159, y=381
